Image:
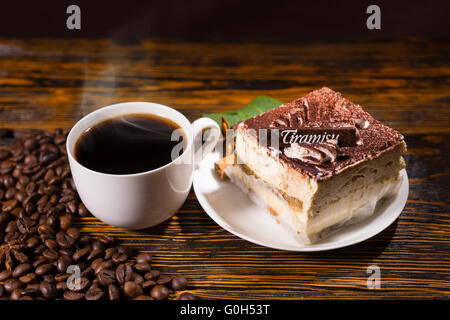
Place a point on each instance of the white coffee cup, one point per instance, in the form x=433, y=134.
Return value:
x=141, y=200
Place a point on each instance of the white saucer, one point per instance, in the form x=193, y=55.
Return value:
x=230, y=208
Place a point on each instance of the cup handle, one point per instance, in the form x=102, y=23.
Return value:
x=201, y=150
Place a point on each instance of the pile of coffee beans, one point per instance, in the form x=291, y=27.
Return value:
x=42, y=254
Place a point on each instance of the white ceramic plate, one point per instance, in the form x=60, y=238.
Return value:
x=230, y=208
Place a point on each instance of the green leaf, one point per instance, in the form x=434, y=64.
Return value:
x=259, y=105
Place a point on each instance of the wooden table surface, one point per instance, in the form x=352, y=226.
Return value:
x=405, y=84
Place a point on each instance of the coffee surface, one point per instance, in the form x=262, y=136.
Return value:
x=127, y=144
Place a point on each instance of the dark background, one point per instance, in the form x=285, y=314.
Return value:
x=226, y=20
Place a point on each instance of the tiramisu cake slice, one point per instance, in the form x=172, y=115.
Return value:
x=314, y=188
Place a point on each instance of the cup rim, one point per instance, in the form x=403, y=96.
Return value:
x=122, y=104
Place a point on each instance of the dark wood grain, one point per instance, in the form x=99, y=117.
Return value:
x=52, y=83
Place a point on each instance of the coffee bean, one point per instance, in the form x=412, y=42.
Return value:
x=43, y=269
x=49, y=277
x=80, y=254
x=96, y=263
x=123, y=273
x=11, y=284
x=149, y=284
x=109, y=252
x=65, y=221
x=51, y=244
x=50, y=255
x=105, y=239
x=186, y=296
x=136, y=277
x=21, y=269
x=70, y=295
x=45, y=229
x=94, y=254
x=61, y=286
x=28, y=278
x=16, y=294
x=48, y=289
x=142, y=267
x=159, y=292
x=39, y=261
x=179, y=283
x=4, y=154
x=64, y=240
x=106, y=277
x=113, y=292
x=62, y=277
x=2, y=290
x=132, y=289
x=81, y=286
x=63, y=262
x=118, y=258
x=164, y=281
x=94, y=294
x=98, y=245
x=5, y=274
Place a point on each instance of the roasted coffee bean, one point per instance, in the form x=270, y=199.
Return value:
x=81, y=286
x=94, y=254
x=65, y=222
x=28, y=278
x=106, y=277
x=104, y=265
x=11, y=284
x=4, y=154
x=65, y=252
x=43, y=269
x=80, y=254
x=64, y=240
x=49, y=277
x=16, y=294
x=179, y=283
x=30, y=144
x=113, y=292
x=186, y=296
x=74, y=233
x=50, y=255
x=62, y=277
x=118, y=258
x=88, y=272
x=132, y=289
x=21, y=269
x=94, y=294
x=164, y=281
x=123, y=273
x=9, y=205
x=105, y=239
x=98, y=245
x=45, y=229
x=51, y=244
x=61, y=286
x=5, y=274
x=142, y=267
x=63, y=262
x=39, y=261
x=71, y=295
x=48, y=289
x=159, y=292
x=149, y=284
x=152, y=275
x=109, y=252
x=96, y=263
x=136, y=277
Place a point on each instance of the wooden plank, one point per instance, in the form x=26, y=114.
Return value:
x=52, y=83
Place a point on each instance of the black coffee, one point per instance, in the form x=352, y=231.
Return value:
x=127, y=144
